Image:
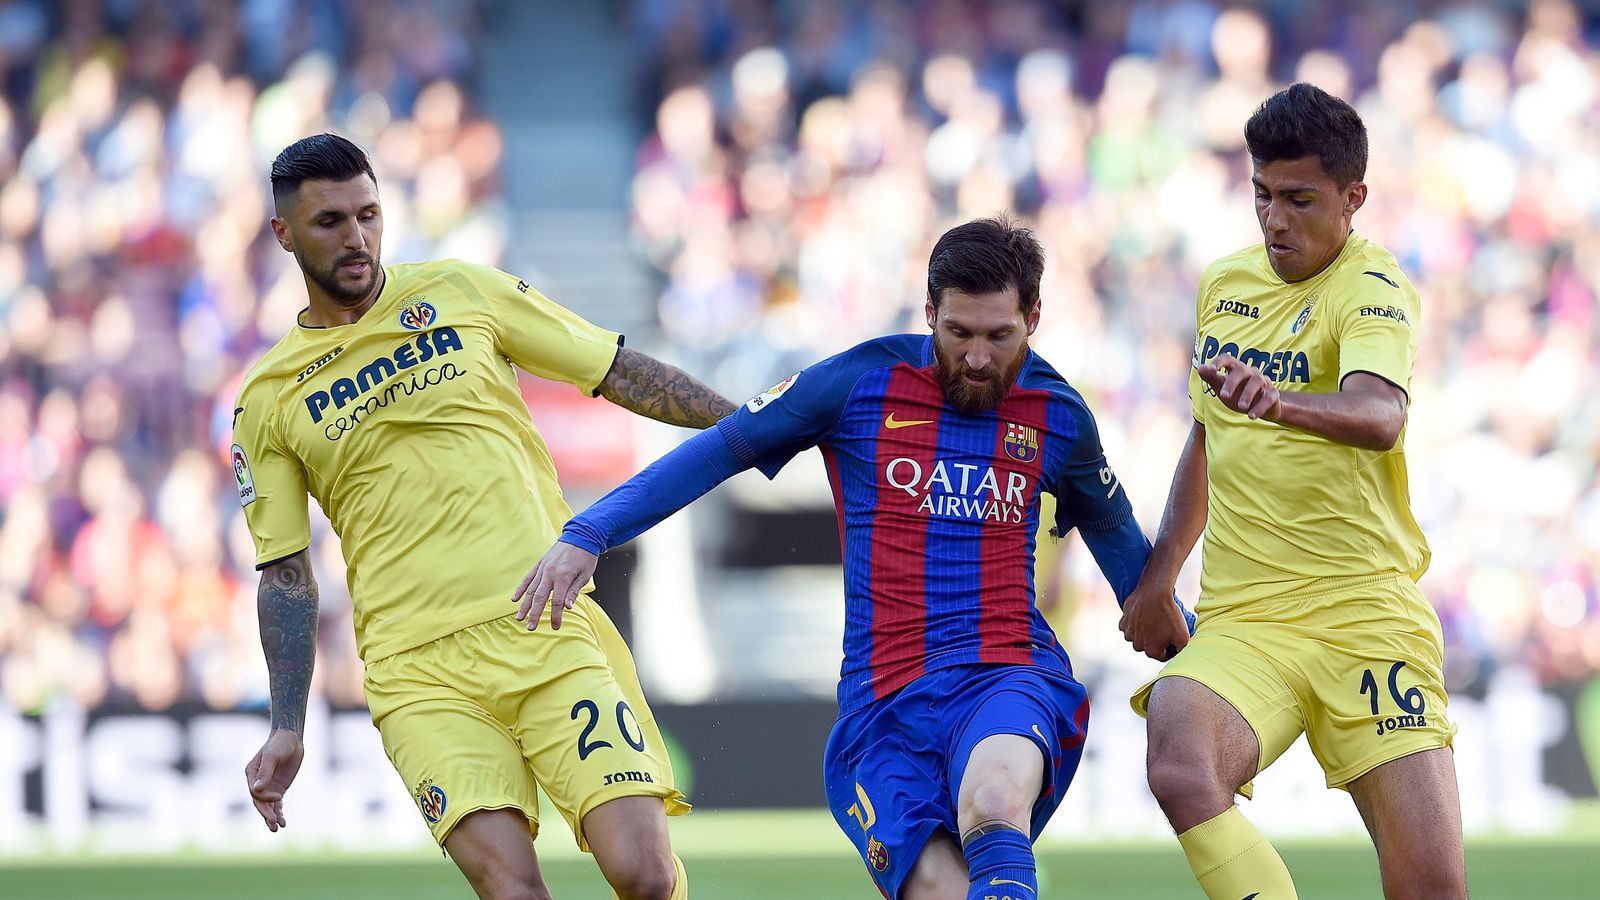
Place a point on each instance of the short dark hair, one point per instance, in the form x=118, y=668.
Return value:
x=1305, y=120
x=984, y=256
x=320, y=157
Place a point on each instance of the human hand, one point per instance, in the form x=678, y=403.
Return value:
x=270, y=772
x=556, y=579
x=1241, y=388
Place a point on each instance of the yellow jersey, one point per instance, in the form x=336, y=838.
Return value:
x=1292, y=513
x=409, y=429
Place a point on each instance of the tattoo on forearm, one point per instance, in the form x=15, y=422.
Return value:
x=652, y=388
x=287, y=606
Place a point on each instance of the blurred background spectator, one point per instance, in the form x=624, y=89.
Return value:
x=138, y=283
x=799, y=161
x=805, y=156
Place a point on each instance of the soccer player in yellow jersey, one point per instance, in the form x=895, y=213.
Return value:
x=1310, y=617
x=394, y=402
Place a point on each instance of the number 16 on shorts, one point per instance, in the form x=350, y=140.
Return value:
x=1411, y=704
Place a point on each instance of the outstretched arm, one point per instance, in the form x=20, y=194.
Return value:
x=1147, y=618
x=649, y=387
x=664, y=487
x=287, y=606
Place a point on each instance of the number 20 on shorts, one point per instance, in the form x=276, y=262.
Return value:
x=625, y=718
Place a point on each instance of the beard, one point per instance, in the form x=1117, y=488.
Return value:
x=341, y=292
x=971, y=398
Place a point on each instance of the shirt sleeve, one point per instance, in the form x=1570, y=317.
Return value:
x=792, y=415
x=542, y=337
x=1088, y=494
x=1377, y=328
x=271, y=482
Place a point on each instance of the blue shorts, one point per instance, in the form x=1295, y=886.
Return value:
x=893, y=768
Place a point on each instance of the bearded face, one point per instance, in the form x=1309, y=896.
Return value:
x=976, y=390
x=980, y=342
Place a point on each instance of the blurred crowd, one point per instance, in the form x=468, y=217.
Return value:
x=138, y=281
x=804, y=157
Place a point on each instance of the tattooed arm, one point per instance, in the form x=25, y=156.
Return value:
x=287, y=606
x=650, y=387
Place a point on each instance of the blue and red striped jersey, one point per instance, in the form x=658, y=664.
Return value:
x=937, y=508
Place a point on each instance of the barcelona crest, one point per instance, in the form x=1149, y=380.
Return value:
x=418, y=314
x=877, y=854
x=431, y=800
x=1022, y=442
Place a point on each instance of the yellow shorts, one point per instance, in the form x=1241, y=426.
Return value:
x=1359, y=670
x=477, y=719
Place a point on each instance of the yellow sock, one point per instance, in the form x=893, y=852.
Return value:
x=1233, y=861
x=680, y=887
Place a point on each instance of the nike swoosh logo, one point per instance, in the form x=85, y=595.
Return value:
x=1037, y=731
x=997, y=880
x=891, y=422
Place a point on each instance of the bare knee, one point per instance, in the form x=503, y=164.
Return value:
x=1188, y=790
x=996, y=801
x=645, y=877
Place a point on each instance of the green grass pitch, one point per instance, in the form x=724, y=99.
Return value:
x=777, y=856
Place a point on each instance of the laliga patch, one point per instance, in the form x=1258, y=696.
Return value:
x=241, y=474
x=877, y=854
x=769, y=396
x=418, y=314
x=431, y=800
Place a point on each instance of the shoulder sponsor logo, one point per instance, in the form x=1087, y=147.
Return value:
x=1382, y=277
x=241, y=474
x=769, y=396
x=236, y=411
x=1386, y=312
x=418, y=314
x=891, y=423
x=1238, y=308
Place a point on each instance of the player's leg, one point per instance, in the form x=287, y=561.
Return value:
x=628, y=837
x=1381, y=728
x=493, y=849
x=592, y=742
x=1219, y=713
x=1002, y=780
x=1016, y=742
x=1200, y=752
x=884, y=777
x=940, y=872
x=462, y=766
x=1413, y=811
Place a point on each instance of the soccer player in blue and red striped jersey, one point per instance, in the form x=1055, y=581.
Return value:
x=960, y=723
